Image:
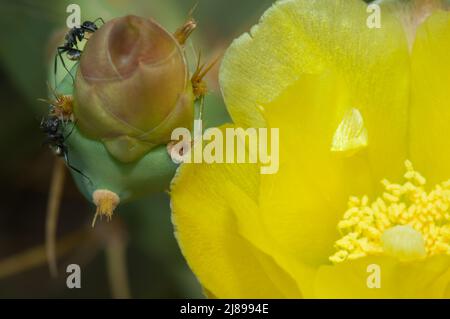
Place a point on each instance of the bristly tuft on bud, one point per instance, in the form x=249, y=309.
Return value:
x=106, y=202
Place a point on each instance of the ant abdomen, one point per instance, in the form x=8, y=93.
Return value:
x=73, y=55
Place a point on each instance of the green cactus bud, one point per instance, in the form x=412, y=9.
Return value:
x=120, y=182
x=132, y=87
x=131, y=90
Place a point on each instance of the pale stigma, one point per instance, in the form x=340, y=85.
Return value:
x=351, y=134
x=403, y=242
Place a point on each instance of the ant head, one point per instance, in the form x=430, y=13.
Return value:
x=89, y=26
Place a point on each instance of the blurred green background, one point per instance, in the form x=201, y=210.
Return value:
x=155, y=267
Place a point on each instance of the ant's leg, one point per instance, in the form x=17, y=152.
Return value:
x=70, y=133
x=55, y=67
x=60, y=51
x=66, y=158
x=99, y=19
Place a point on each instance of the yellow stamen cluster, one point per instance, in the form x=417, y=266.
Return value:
x=364, y=223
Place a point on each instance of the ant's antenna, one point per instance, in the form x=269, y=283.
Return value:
x=99, y=19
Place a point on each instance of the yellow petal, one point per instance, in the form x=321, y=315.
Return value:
x=301, y=70
x=303, y=202
x=252, y=226
x=206, y=219
x=430, y=98
x=298, y=37
x=354, y=279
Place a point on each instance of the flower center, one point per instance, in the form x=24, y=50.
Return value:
x=406, y=222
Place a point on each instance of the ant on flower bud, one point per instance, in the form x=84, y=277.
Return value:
x=71, y=39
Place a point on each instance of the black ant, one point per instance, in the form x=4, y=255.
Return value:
x=71, y=39
x=53, y=127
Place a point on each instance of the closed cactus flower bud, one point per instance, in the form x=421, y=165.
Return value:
x=132, y=87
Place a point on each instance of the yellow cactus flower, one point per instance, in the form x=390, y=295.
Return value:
x=360, y=206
